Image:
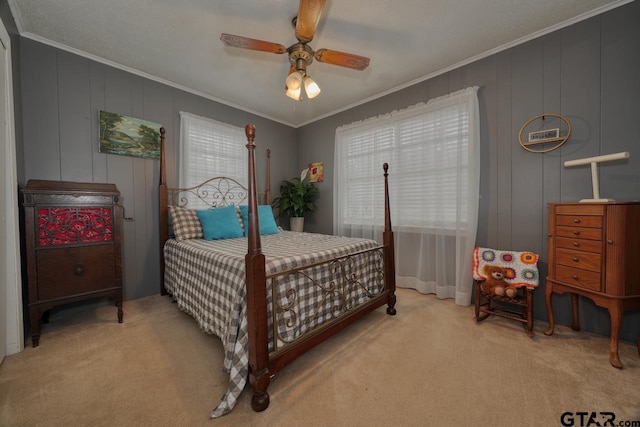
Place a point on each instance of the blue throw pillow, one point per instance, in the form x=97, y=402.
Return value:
x=265, y=217
x=220, y=223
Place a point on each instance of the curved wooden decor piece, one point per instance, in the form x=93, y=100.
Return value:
x=529, y=145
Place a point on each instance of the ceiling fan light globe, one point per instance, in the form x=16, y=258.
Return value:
x=311, y=87
x=294, y=81
x=294, y=93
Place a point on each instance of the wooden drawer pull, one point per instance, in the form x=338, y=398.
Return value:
x=576, y=233
x=576, y=259
x=576, y=220
x=576, y=244
x=575, y=277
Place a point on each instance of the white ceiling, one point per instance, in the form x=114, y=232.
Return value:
x=178, y=42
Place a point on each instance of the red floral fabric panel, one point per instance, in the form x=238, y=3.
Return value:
x=63, y=226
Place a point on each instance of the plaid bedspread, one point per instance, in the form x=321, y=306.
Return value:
x=207, y=280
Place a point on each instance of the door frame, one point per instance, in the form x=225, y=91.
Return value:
x=13, y=325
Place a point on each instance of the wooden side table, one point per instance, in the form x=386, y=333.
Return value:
x=593, y=249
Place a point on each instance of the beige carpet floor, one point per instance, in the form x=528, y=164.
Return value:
x=431, y=365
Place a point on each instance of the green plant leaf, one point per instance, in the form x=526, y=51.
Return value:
x=296, y=197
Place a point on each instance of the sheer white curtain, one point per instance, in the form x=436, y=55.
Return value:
x=209, y=148
x=433, y=151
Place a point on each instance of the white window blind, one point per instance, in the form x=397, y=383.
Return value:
x=427, y=148
x=209, y=148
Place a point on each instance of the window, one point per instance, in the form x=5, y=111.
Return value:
x=427, y=147
x=434, y=173
x=210, y=148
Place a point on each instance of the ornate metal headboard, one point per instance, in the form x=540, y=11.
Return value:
x=215, y=192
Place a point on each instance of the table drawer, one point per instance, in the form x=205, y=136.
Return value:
x=578, y=259
x=579, y=209
x=579, y=244
x=591, y=221
x=575, y=276
x=579, y=232
x=65, y=271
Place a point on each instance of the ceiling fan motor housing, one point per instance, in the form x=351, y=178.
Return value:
x=300, y=55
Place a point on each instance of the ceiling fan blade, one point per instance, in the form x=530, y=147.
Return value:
x=342, y=59
x=307, y=21
x=253, y=44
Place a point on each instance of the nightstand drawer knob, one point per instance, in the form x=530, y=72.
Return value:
x=575, y=277
x=576, y=220
x=577, y=233
x=576, y=244
x=78, y=269
x=575, y=259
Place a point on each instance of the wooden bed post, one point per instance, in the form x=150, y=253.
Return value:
x=267, y=191
x=259, y=376
x=389, y=261
x=163, y=218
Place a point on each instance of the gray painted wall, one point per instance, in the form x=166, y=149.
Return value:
x=61, y=96
x=587, y=72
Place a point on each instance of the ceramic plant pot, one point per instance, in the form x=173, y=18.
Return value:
x=296, y=223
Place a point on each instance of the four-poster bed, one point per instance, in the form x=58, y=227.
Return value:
x=268, y=303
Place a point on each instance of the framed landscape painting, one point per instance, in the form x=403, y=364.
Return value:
x=129, y=136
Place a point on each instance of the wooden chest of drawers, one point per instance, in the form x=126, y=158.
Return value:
x=73, y=238
x=593, y=250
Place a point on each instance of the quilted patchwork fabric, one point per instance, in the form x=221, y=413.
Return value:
x=522, y=267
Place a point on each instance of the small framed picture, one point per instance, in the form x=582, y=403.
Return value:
x=316, y=172
x=542, y=135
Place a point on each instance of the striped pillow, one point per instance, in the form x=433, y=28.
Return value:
x=185, y=223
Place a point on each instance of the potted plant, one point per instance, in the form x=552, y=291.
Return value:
x=296, y=198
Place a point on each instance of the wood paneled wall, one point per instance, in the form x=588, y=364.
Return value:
x=61, y=96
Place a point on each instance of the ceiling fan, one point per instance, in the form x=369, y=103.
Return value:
x=301, y=54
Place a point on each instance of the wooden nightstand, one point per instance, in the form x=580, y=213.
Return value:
x=593, y=250
x=73, y=238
